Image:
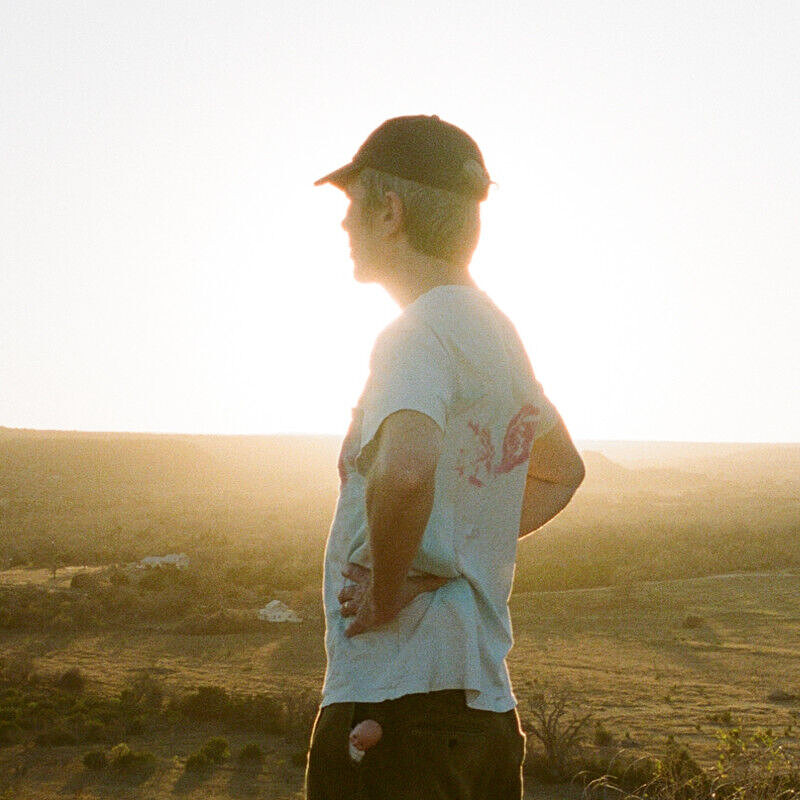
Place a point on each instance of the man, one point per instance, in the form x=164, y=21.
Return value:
x=453, y=453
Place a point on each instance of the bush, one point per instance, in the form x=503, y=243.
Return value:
x=724, y=718
x=198, y=762
x=55, y=737
x=251, y=752
x=16, y=668
x=85, y=581
x=122, y=759
x=94, y=731
x=219, y=622
x=10, y=733
x=559, y=730
x=134, y=726
x=216, y=749
x=261, y=712
x=207, y=703
x=300, y=712
x=602, y=736
x=95, y=760
x=782, y=696
x=749, y=767
x=118, y=578
x=72, y=680
x=144, y=695
x=678, y=767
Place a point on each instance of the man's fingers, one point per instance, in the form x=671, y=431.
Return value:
x=355, y=572
x=349, y=608
x=348, y=593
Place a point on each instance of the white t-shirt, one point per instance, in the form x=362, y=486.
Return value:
x=453, y=356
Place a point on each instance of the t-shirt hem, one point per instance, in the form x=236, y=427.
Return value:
x=379, y=694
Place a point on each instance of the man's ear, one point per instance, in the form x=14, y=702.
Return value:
x=393, y=212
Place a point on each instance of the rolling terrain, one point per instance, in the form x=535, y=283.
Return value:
x=665, y=600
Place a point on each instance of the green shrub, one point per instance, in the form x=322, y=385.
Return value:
x=300, y=711
x=55, y=737
x=679, y=768
x=144, y=695
x=10, y=733
x=602, y=736
x=125, y=760
x=251, y=752
x=260, y=712
x=724, y=718
x=216, y=749
x=16, y=668
x=135, y=726
x=207, y=703
x=85, y=581
x=95, y=760
x=118, y=578
x=72, y=680
x=94, y=731
x=219, y=622
x=198, y=762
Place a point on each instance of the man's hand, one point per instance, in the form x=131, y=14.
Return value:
x=356, y=598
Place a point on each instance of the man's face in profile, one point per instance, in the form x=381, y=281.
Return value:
x=364, y=244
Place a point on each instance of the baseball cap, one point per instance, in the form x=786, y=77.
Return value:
x=422, y=149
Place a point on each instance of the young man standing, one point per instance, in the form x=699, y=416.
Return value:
x=453, y=454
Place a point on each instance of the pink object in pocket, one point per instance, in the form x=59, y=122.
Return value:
x=365, y=735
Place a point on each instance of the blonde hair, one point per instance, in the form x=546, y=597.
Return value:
x=439, y=223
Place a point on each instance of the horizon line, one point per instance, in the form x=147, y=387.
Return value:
x=316, y=434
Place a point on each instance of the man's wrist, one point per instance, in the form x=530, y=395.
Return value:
x=386, y=605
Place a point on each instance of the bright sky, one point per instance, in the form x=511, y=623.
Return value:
x=167, y=265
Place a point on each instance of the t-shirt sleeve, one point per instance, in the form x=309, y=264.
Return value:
x=410, y=369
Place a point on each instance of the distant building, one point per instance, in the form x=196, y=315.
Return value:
x=179, y=560
x=276, y=611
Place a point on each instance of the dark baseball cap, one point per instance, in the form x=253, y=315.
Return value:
x=423, y=149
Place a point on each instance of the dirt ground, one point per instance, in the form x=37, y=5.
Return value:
x=647, y=660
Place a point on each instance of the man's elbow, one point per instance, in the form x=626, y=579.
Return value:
x=577, y=472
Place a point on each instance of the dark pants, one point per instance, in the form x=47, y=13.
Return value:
x=433, y=748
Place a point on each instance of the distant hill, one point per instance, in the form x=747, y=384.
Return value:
x=602, y=473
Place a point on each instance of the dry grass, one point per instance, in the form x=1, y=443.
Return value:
x=623, y=652
x=253, y=524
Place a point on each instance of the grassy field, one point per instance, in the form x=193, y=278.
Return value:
x=666, y=600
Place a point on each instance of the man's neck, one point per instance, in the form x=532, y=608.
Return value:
x=419, y=274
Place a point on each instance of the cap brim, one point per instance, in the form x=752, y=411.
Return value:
x=339, y=177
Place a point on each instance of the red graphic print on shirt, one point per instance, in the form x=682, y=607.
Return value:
x=477, y=462
x=481, y=457
x=518, y=439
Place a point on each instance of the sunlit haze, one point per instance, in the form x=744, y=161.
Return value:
x=166, y=263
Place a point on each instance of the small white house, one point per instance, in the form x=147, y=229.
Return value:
x=276, y=611
x=179, y=560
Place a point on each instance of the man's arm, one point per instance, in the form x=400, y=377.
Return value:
x=400, y=486
x=555, y=472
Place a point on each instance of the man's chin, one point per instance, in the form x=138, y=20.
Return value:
x=362, y=275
